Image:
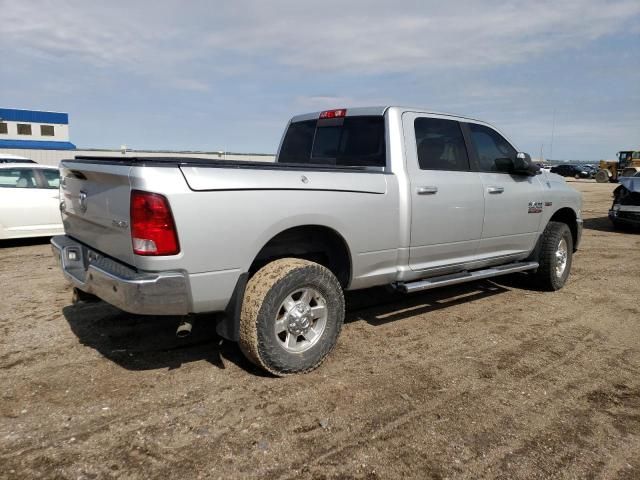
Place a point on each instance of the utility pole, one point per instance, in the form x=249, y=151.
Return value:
x=553, y=129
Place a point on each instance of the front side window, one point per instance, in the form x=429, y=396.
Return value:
x=51, y=177
x=495, y=154
x=17, y=178
x=440, y=145
x=24, y=129
x=351, y=141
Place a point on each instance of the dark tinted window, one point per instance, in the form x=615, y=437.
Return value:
x=47, y=130
x=296, y=147
x=440, y=145
x=350, y=141
x=495, y=154
x=24, y=129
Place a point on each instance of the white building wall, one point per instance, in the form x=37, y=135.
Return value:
x=61, y=132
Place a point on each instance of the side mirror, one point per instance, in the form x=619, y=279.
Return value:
x=523, y=165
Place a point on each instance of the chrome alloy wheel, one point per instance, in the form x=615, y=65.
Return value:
x=562, y=254
x=301, y=319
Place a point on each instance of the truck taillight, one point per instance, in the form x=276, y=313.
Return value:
x=339, y=113
x=153, y=231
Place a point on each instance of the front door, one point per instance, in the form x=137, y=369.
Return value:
x=447, y=200
x=512, y=203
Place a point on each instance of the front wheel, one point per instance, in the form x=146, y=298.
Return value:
x=556, y=255
x=292, y=313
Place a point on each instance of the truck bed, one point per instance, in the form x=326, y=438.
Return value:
x=201, y=162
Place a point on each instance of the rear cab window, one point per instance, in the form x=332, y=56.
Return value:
x=356, y=141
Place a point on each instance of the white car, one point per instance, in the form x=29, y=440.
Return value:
x=29, y=200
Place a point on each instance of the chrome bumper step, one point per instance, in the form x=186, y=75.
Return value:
x=463, y=277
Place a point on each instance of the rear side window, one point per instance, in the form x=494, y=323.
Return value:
x=350, y=141
x=440, y=145
x=495, y=154
x=52, y=178
x=297, y=143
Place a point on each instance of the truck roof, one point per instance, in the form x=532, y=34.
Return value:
x=380, y=110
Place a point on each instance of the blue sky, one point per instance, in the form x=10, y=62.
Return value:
x=205, y=75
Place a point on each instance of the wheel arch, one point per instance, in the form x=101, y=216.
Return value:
x=569, y=217
x=318, y=243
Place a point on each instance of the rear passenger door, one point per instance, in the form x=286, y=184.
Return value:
x=50, y=182
x=447, y=201
x=511, y=213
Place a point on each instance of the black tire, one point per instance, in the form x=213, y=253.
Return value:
x=264, y=303
x=548, y=277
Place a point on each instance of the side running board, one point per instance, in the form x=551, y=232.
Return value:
x=463, y=277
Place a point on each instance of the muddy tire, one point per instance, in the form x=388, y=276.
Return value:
x=556, y=254
x=291, y=316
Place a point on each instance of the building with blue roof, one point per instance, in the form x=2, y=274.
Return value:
x=34, y=129
x=44, y=137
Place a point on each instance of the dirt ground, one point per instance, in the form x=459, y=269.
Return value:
x=485, y=380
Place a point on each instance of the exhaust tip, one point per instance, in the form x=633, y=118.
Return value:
x=184, y=329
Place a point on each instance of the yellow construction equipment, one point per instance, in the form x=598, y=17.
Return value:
x=627, y=165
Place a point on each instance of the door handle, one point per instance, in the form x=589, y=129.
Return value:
x=495, y=190
x=430, y=190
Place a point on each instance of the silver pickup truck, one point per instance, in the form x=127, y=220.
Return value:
x=356, y=198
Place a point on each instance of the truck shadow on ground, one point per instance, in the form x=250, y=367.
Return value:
x=24, y=242
x=603, y=224
x=148, y=342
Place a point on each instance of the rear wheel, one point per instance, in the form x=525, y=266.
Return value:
x=556, y=255
x=292, y=313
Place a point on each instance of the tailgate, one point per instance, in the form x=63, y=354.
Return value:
x=96, y=206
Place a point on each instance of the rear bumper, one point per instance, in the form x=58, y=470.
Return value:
x=145, y=293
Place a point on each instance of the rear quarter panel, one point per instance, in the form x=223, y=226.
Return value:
x=225, y=216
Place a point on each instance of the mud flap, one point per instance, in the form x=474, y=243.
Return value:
x=228, y=326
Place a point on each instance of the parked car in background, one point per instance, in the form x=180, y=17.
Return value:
x=29, y=200
x=9, y=158
x=575, y=171
x=625, y=210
